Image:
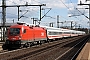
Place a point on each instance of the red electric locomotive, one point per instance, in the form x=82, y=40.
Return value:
x=22, y=35
x=25, y=35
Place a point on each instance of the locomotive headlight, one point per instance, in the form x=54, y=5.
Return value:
x=13, y=38
x=20, y=37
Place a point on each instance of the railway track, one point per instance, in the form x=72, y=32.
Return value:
x=74, y=50
x=49, y=51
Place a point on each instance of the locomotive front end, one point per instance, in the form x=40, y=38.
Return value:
x=13, y=39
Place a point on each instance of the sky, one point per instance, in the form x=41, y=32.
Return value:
x=68, y=10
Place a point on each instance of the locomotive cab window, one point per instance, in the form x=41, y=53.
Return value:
x=24, y=31
x=14, y=31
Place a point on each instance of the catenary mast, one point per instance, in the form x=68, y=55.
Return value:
x=3, y=17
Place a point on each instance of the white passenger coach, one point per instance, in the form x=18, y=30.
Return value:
x=54, y=33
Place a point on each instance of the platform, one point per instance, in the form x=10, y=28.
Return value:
x=85, y=53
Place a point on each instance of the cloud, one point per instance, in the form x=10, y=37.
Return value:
x=76, y=12
x=56, y=5
x=79, y=9
x=32, y=10
x=49, y=3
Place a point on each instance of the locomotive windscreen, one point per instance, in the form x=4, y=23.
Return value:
x=14, y=31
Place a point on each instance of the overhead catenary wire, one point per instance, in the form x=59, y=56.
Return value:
x=60, y=16
x=66, y=6
x=35, y=12
x=72, y=3
x=79, y=11
x=74, y=7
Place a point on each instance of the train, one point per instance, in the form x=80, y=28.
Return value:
x=25, y=35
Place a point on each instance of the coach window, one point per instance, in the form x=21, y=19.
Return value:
x=60, y=32
x=49, y=33
x=24, y=31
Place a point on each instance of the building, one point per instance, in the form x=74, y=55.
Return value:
x=7, y=25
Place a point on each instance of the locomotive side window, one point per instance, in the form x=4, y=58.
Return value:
x=24, y=31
